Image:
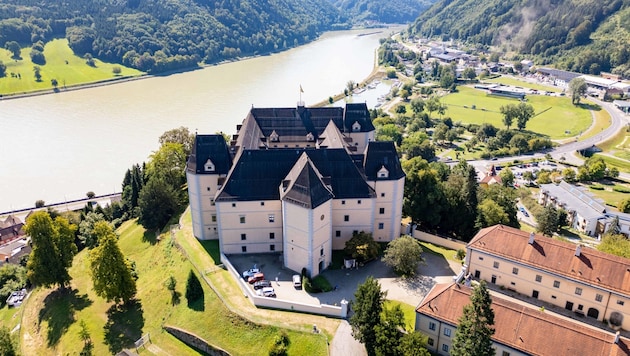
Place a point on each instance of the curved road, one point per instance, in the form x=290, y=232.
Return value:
x=618, y=121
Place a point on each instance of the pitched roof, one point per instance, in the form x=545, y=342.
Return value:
x=379, y=155
x=592, y=267
x=304, y=185
x=258, y=174
x=575, y=199
x=211, y=147
x=357, y=112
x=522, y=327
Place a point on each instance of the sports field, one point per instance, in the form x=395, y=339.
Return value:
x=61, y=64
x=555, y=116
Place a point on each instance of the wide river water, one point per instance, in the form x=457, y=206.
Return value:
x=57, y=147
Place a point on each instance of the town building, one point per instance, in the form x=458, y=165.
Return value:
x=300, y=181
x=584, y=281
x=520, y=329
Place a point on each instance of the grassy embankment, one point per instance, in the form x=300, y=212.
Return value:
x=61, y=64
x=51, y=321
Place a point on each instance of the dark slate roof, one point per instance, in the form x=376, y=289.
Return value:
x=357, y=112
x=379, y=155
x=308, y=189
x=559, y=74
x=212, y=147
x=258, y=174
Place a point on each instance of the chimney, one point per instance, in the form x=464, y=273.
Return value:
x=617, y=337
x=531, y=238
x=578, y=250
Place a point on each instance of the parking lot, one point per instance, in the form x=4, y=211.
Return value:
x=436, y=270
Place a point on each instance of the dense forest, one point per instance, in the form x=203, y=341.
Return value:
x=160, y=35
x=392, y=11
x=588, y=36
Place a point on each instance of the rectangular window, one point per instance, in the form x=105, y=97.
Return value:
x=598, y=297
x=431, y=325
x=381, y=211
x=556, y=284
x=262, y=203
x=447, y=332
x=480, y=258
x=359, y=201
x=382, y=195
x=514, y=270
x=272, y=218
x=243, y=237
x=243, y=248
x=242, y=219
x=234, y=205
x=538, y=278
x=620, y=302
x=272, y=235
x=337, y=233
x=495, y=264
x=445, y=347
x=381, y=226
x=346, y=218
x=343, y=202
x=208, y=188
x=212, y=202
x=578, y=290
x=272, y=247
x=430, y=342
x=512, y=283
x=505, y=353
x=214, y=218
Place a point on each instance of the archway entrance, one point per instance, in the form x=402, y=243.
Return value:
x=593, y=313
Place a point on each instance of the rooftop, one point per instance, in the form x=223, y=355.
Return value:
x=575, y=199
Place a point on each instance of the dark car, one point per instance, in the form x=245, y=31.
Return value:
x=262, y=284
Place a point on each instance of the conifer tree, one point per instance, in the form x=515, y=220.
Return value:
x=474, y=332
x=367, y=307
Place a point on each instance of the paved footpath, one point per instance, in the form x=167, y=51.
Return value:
x=344, y=344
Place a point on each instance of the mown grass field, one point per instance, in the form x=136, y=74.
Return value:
x=52, y=319
x=61, y=64
x=554, y=115
x=608, y=195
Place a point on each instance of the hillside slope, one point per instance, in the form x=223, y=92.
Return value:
x=392, y=11
x=588, y=36
x=158, y=35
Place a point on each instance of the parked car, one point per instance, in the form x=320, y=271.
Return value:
x=297, y=281
x=250, y=272
x=255, y=278
x=262, y=284
x=266, y=292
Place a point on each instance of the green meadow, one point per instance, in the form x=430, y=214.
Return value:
x=554, y=115
x=61, y=64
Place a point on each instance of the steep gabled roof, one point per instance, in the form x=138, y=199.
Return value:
x=379, y=155
x=258, y=174
x=592, y=267
x=304, y=185
x=521, y=327
x=211, y=147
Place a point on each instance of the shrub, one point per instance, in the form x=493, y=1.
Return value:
x=279, y=347
x=461, y=254
x=597, y=187
x=321, y=283
x=621, y=189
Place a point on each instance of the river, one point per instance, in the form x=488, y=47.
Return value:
x=58, y=147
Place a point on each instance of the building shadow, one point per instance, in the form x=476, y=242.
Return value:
x=124, y=325
x=58, y=311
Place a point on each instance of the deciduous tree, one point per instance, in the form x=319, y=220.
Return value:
x=158, y=202
x=362, y=247
x=414, y=344
x=14, y=48
x=547, y=221
x=87, y=235
x=424, y=199
x=474, y=332
x=7, y=348
x=367, y=307
x=110, y=271
x=404, y=254
x=179, y=135
x=577, y=88
x=388, y=332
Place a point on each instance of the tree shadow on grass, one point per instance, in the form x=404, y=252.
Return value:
x=589, y=106
x=58, y=311
x=150, y=236
x=198, y=305
x=124, y=325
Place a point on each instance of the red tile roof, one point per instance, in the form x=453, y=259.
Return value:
x=591, y=266
x=522, y=327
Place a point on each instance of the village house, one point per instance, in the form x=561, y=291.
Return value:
x=300, y=181
x=586, y=282
x=520, y=329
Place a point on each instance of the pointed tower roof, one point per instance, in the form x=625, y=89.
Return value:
x=304, y=185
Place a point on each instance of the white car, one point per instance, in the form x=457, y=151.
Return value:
x=250, y=272
x=266, y=292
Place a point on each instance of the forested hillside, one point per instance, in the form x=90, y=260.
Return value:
x=158, y=35
x=587, y=36
x=392, y=11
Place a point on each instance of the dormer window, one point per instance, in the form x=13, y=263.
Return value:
x=209, y=166
x=310, y=137
x=383, y=173
x=356, y=127
x=274, y=136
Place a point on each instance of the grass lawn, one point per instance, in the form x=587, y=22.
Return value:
x=52, y=318
x=439, y=250
x=10, y=317
x=602, y=121
x=608, y=195
x=554, y=115
x=622, y=164
x=521, y=83
x=61, y=64
x=408, y=310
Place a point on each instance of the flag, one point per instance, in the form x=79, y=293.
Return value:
x=301, y=90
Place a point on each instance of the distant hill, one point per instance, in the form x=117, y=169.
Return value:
x=587, y=36
x=159, y=35
x=390, y=11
